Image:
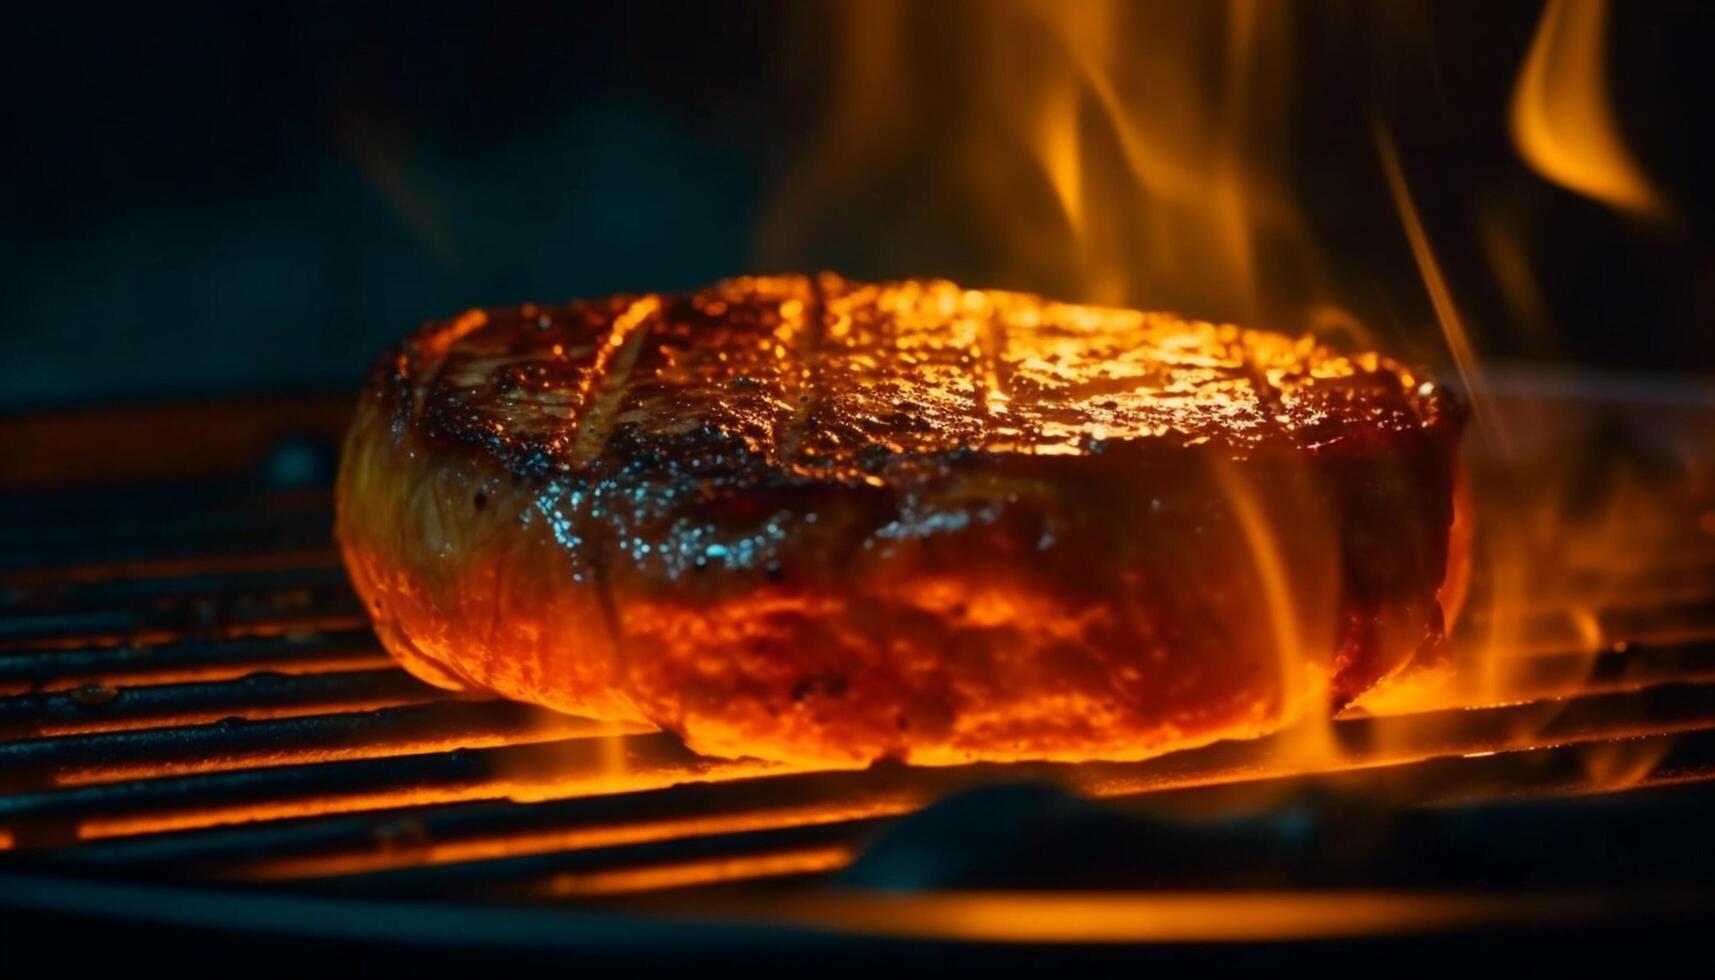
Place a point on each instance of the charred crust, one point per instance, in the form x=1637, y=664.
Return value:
x=812, y=520
x=521, y=411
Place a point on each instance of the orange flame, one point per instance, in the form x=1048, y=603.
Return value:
x=1135, y=154
x=1453, y=328
x=1109, y=160
x=1561, y=119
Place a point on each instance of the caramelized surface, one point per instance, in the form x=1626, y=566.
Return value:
x=825, y=378
x=814, y=519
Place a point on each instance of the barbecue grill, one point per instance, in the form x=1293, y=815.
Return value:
x=201, y=742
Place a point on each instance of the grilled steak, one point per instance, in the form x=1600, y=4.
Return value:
x=823, y=521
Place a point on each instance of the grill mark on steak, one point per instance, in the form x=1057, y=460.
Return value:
x=612, y=371
x=1267, y=394
x=995, y=381
x=806, y=387
x=980, y=364
x=434, y=348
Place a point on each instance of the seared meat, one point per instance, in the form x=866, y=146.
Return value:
x=817, y=520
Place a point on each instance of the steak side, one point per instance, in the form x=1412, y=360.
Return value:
x=822, y=521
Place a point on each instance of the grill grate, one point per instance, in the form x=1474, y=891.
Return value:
x=189, y=691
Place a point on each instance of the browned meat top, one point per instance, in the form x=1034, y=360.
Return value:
x=828, y=379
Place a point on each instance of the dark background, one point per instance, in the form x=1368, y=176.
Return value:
x=232, y=197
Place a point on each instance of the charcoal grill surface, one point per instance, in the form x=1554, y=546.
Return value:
x=200, y=738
